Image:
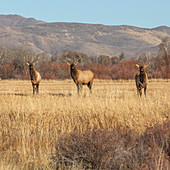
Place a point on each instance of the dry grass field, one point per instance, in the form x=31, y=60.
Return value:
x=40, y=132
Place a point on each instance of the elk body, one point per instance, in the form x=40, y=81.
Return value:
x=81, y=77
x=34, y=76
x=141, y=79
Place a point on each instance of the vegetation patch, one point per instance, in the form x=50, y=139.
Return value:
x=119, y=148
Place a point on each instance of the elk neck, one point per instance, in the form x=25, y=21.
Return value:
x=142, y=76
x=73, y=71
x=32, y=73
x=142, y=72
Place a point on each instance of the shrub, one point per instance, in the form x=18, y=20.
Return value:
x=119, y=148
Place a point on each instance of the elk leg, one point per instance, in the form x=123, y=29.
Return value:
x=145, y=90
x=81, y=86
x=37, y=88
x=33, y=88
x=78, y=88
x=89, y=86
x=140, y=92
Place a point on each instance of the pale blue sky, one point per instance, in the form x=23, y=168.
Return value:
x=141, y=13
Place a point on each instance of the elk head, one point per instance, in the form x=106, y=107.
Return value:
x=141, y=68
x=73, y=70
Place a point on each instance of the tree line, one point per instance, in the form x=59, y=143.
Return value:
x=13, y=64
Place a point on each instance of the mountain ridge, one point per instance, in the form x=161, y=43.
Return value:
x=91, y=39
x=17, y=20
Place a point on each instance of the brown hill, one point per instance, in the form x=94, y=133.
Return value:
x=91, y=39
x=14, y=20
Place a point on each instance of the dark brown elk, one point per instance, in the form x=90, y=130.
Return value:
x=141, y=79
x=80, y=77
x=34, y=75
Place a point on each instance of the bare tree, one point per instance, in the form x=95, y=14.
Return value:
x=164, y=54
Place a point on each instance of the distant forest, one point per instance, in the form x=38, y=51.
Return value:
x=13, y=64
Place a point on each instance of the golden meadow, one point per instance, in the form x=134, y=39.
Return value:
x=31, y=125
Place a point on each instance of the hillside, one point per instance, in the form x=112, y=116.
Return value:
x=91, y=39
x=16, y=20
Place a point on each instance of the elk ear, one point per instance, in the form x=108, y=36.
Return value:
x=28, y=63
x=33, y=63
x=137, y=65
x=145, y=66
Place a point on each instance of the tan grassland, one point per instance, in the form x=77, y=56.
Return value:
x=30, y=125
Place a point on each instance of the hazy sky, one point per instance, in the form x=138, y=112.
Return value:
x=141, y=13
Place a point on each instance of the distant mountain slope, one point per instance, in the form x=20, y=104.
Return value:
x=15, y=20
x=90, y=39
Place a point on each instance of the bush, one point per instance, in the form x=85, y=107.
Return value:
x=120, y=148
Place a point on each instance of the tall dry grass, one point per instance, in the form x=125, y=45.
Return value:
x=31, y=126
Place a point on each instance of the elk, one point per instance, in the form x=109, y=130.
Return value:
x=34, y=75
x=80, y=77
x=141, y=79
